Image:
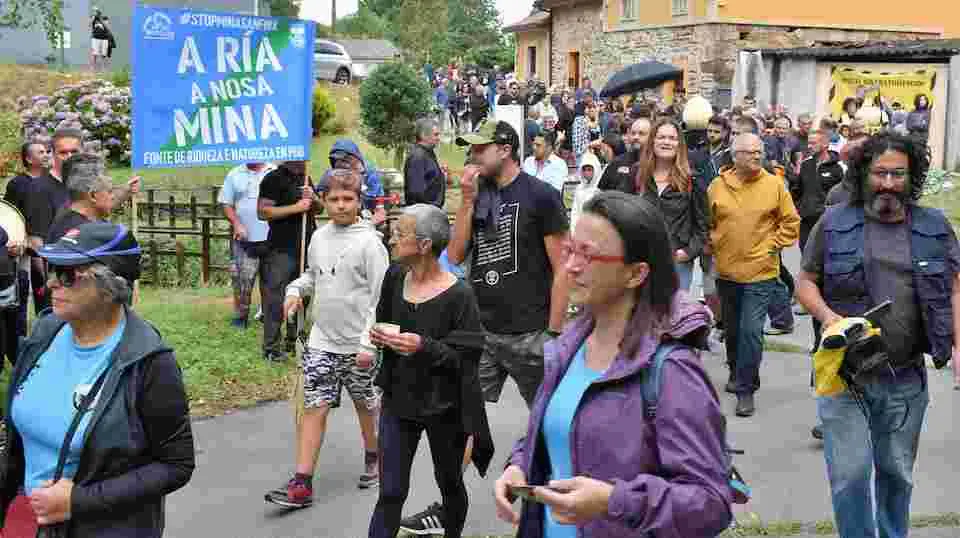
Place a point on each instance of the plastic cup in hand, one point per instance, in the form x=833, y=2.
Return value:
x=388, y=328
x=392, y=329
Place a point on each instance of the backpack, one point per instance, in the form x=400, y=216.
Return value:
x=650, y=390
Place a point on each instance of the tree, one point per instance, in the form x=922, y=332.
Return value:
x=502, y=54
x=384, y=8
x=391, y=100
x=364, y=24
x=285, y=8
x=471, y=24
x=48, y=14
x=420, y=24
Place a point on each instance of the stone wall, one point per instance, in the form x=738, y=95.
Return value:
x=573, y=28
x=708, y=51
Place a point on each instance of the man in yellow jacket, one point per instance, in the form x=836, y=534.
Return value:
x=753, y=219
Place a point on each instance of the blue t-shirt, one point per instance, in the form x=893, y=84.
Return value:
x=240, y=191
x=458, y=270
x=557, y=427
x=44, y=408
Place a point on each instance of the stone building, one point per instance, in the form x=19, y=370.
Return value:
x=596, y=38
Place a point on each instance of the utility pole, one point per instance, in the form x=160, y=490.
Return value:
x=333, y=16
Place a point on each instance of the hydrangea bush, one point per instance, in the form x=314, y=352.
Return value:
x=97, y=107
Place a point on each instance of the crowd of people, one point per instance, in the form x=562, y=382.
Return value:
x=580, y=303
x=729, y=192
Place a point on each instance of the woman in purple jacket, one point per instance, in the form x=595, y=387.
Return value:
x=604, y=469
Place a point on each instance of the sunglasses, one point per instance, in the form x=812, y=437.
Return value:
x=67, y=276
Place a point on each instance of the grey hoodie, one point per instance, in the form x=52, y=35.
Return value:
x=345, y=269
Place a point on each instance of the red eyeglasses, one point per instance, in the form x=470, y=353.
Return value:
x=573, y=250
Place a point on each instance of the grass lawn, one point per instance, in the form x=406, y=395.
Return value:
x=223, y=368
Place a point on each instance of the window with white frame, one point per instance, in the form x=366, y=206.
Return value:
x=631, y=9
x=679, y=7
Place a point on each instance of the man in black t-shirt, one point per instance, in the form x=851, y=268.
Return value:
x=286, y=199
x=35, y=158
x=514, y=227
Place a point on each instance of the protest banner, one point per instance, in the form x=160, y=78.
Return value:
x=899, y=89
x=216, y=88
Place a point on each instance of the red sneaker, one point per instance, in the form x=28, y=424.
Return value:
x=296, y=494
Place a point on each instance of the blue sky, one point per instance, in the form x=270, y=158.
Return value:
x=319, y=10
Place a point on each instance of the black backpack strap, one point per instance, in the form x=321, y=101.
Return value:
x=82, y=409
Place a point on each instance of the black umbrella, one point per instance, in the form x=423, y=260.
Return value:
x=641, y=76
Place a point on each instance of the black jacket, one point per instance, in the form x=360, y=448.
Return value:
x=810, y=189
x=618, y=175
x=685, y=213
x=423, y=180
x=454, y=364
x=138, y=446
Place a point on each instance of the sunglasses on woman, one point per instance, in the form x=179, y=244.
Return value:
x=67, y=276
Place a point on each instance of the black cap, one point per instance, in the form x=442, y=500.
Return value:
x=97, y=242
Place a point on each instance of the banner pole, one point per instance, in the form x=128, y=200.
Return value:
x=135, y=228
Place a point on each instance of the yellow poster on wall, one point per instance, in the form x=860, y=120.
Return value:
x=899, y=90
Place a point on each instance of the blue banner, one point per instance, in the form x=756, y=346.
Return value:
x=217, y=88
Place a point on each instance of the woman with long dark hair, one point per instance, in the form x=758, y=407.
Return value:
x=918, y=121
x=603, y=467
x=664, y=178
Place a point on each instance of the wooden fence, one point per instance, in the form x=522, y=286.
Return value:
x=183, y=225
x=166, y=218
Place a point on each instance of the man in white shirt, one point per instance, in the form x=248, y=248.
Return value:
x=239, y=194
x=543, y=164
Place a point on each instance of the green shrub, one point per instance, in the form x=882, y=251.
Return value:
x=324, y=111
x=391, y=100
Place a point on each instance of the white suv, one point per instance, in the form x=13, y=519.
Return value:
x=331, y=62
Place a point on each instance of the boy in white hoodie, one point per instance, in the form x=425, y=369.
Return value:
x=346, y=263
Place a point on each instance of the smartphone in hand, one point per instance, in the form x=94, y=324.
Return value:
x=526, y=492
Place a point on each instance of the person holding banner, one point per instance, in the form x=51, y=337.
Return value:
x=286, y=199
x=48, y=195
x=91, y=195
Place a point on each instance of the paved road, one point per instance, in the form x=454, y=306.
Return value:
x=244, y=454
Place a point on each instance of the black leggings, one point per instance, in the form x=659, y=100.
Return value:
x=398, y=445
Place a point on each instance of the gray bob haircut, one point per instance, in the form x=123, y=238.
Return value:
x=114, y=287
x=431, y=223
x=424, y=127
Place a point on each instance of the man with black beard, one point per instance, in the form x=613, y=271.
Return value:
x=619, y=173
x=882, y=245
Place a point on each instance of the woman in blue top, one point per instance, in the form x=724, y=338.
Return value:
x=602, y=466
x=97, y=379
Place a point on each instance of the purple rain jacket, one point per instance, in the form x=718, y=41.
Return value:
x=670, y=477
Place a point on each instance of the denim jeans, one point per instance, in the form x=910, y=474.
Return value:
x=883, y=445
x=279, y=270
x=744, y=311
x=781, y=307
x=684, y=274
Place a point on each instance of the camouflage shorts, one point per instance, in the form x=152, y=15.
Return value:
x=325, y=375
